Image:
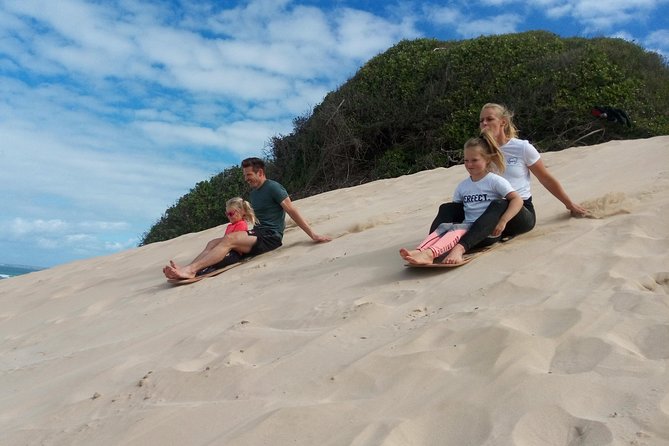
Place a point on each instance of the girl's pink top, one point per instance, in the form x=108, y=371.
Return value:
x=241, y=225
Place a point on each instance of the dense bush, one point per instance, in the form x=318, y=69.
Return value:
x=412, y=107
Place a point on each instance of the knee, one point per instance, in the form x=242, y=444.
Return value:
x=232, y=240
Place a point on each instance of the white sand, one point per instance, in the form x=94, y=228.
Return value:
x=560, y=337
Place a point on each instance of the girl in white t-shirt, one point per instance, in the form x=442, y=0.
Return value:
x=482, y=156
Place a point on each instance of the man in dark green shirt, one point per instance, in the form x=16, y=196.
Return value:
x=270, y=202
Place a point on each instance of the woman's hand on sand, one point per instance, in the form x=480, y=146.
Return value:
x=578, y=211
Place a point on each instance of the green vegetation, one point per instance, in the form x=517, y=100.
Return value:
x=412, y=107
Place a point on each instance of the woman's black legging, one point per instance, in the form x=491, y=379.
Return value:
x=478, y=233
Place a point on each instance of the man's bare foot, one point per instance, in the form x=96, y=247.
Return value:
x=455, y=255
x=421, y=258
x=174, y=271
x=405, y=253
x=169, y=272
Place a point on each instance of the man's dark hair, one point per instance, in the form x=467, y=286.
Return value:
x=255, y=163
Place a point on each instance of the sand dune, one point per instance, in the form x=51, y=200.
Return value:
x=559, y=337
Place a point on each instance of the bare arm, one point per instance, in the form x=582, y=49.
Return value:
x=292, y=211
x=554, y=187
x=515, y=205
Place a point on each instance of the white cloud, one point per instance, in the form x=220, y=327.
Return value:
x=594, y=16
x=102, y=226
x=84, y=244
x=303, y=26
x=97, y=45
x=501, y=24
x=597, y=16
x=249, y=21
x=120, y=246
x=498, y=2
x=659, y=38
x=22, y=228
x=658, y=41
x=443, y=15
x=174, y=134
x=48, y=244
x=78, y=239
x=248, y=138
x=244, y=137
x=87, y=238
x=469, y=26
x=558, y=11
x=257, y=47
x=623, y=35
x=361, y=35
x=46, y=175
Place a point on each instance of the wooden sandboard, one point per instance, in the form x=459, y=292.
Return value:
x=467, y=258
x=203, y=276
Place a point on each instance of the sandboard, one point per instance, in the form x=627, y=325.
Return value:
x=216, y=272
x=468, y=257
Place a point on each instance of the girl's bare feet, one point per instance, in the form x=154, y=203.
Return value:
x=455, y=255
x=405, y=253
x=421, y=258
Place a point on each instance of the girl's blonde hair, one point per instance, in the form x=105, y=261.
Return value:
x=489, y=149
x=510, y=130
x=244, y=207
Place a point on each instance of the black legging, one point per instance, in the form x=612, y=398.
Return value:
x=478, y=233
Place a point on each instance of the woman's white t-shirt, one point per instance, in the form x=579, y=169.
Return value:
x=519, y=155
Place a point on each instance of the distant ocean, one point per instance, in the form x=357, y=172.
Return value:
x=7, y=271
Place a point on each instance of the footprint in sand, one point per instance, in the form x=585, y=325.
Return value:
x=626, y=301
x=653, y=342
x=545, y=323
x=664, y=405
x=393, y=298
x=97, y=308
x=197, y=364
x=656, y=283
x=553, y=425
x=579, y=355
x=636, y=303
x=456, y=424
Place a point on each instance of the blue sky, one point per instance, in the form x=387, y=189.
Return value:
x=112, y=110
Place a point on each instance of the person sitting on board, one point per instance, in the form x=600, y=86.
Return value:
x=242, y=218
x=482, y=156
x=271, y=203
x=521, y=159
